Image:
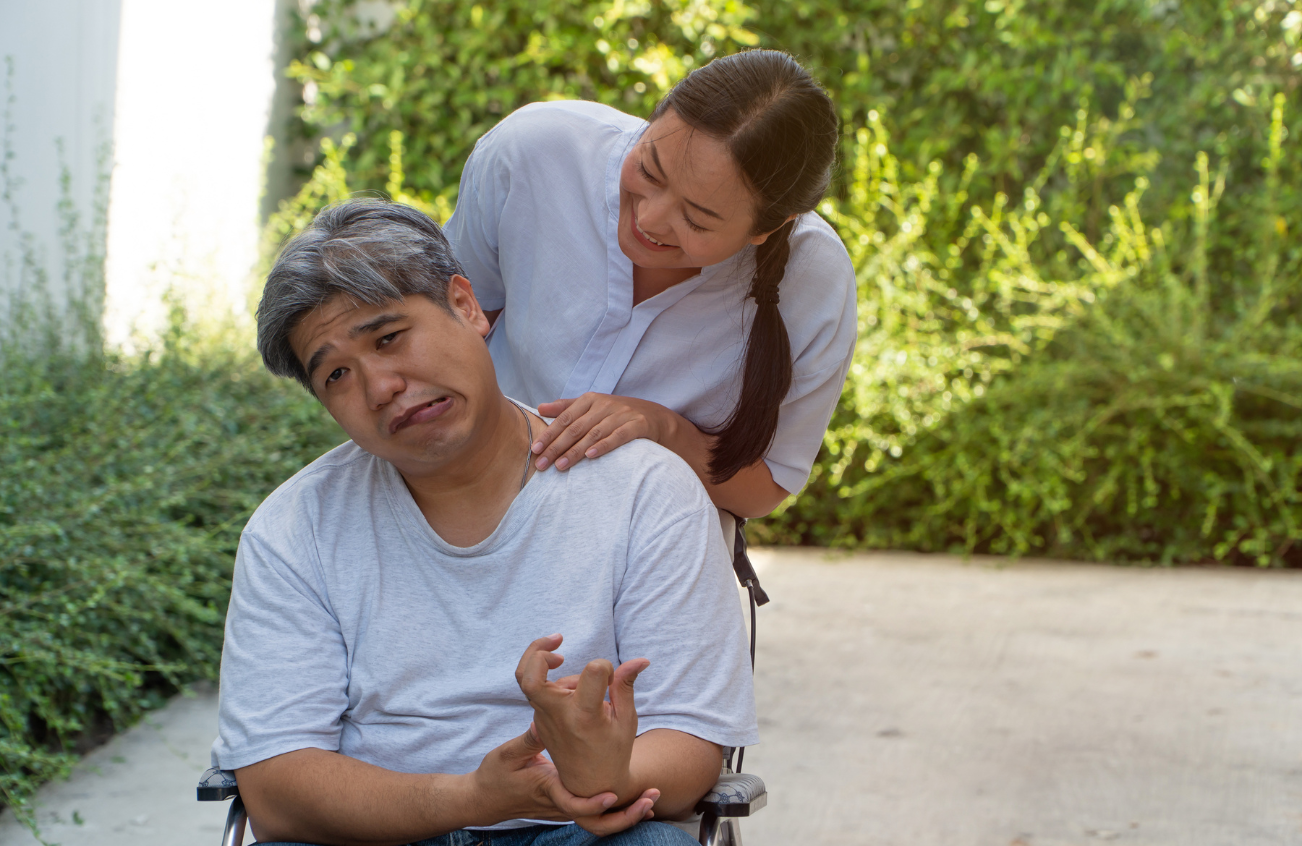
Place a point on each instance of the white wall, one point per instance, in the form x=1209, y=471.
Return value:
x=182, y=94
x=195, y=86
x=64, y=56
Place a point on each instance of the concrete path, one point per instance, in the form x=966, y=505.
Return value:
x=925, y=701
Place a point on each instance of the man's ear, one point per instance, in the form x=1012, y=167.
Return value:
x=760, y=239
x=461, y=299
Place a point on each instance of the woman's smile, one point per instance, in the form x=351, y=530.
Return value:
x=647, y=240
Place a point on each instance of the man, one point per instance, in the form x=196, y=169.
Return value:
x=385, y=669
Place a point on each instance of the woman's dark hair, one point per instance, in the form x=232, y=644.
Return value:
x=781, y=129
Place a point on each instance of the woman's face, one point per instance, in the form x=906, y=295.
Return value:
x=683, y=202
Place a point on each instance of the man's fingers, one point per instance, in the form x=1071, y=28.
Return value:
x=616, y=821
x=621, y=685
x=568, y=682
x=531, y=672
x=593, y=682
x=524, y=748
x=577, y=806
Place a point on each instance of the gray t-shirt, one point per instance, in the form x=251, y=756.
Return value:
x=353, y=627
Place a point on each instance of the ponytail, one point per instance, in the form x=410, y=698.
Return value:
x=766, y=376
x=781, y=129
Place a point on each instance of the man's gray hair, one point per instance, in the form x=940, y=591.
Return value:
x=370, y=251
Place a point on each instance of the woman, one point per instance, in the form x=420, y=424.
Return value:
x=669, y=280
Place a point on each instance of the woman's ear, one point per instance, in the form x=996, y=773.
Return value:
x=461, y=299
x=760, y=239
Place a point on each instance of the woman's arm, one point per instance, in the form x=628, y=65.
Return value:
x=594, y=424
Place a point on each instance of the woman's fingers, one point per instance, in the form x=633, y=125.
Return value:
x=628, y=432
x=600, y=429
x=594, y=424
x=604, y=433
x=562, y=432
x=554, y=408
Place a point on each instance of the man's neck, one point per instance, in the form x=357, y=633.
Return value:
x=465, y=502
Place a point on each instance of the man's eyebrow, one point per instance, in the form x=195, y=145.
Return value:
x=315, y=361
x=360, y=329
x=375, y=323
x=656, y=157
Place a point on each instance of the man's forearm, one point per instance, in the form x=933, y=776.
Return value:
x=316, y=796
x=681, y=766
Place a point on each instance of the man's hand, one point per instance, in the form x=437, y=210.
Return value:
x=515, y=780
x=590, y=739
x=594, y=424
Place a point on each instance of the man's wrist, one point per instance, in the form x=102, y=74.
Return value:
x=469, y=802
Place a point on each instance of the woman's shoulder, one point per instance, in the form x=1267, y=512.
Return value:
x=818, y=293
x=819, y=270
x=816, y=246
x=569, y=126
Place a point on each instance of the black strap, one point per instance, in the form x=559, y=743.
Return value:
x=743, y=568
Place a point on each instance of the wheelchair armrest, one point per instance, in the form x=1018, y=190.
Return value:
x=216, y=785
x=735, y=795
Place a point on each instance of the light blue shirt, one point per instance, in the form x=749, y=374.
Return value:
x=536, y=229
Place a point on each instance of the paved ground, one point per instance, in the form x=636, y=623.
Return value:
x=930, y=702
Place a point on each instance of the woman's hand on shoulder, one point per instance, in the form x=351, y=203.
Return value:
x=594, y=424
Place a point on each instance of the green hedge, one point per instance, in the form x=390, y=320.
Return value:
x=126, y=483
x=1071, y=224
x=1131, y=413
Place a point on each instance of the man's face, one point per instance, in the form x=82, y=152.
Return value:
x=406, y=380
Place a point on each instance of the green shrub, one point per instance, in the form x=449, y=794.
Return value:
x=1159, y=423
x=1039, y=368
x=446, y=71
x=126, y=484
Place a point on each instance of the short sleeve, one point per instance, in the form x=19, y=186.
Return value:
x=284, y=675
x=678, y=601
x=473, y=228
x=824, y=330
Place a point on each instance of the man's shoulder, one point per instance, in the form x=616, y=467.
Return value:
x=303, y=496
x=651, y=475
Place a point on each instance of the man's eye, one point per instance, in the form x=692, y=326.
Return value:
x=386, y=339
x=335, y=374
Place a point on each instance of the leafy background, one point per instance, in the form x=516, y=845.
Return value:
x=1073, y=227
x=1078, y=293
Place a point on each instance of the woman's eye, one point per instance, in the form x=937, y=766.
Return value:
x=646, y=174
x=693, y=226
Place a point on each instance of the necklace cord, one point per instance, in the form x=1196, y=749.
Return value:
x=528, y=451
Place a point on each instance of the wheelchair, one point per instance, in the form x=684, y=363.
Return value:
x=734, y=796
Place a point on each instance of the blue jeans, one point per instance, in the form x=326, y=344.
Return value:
x=643, y=834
